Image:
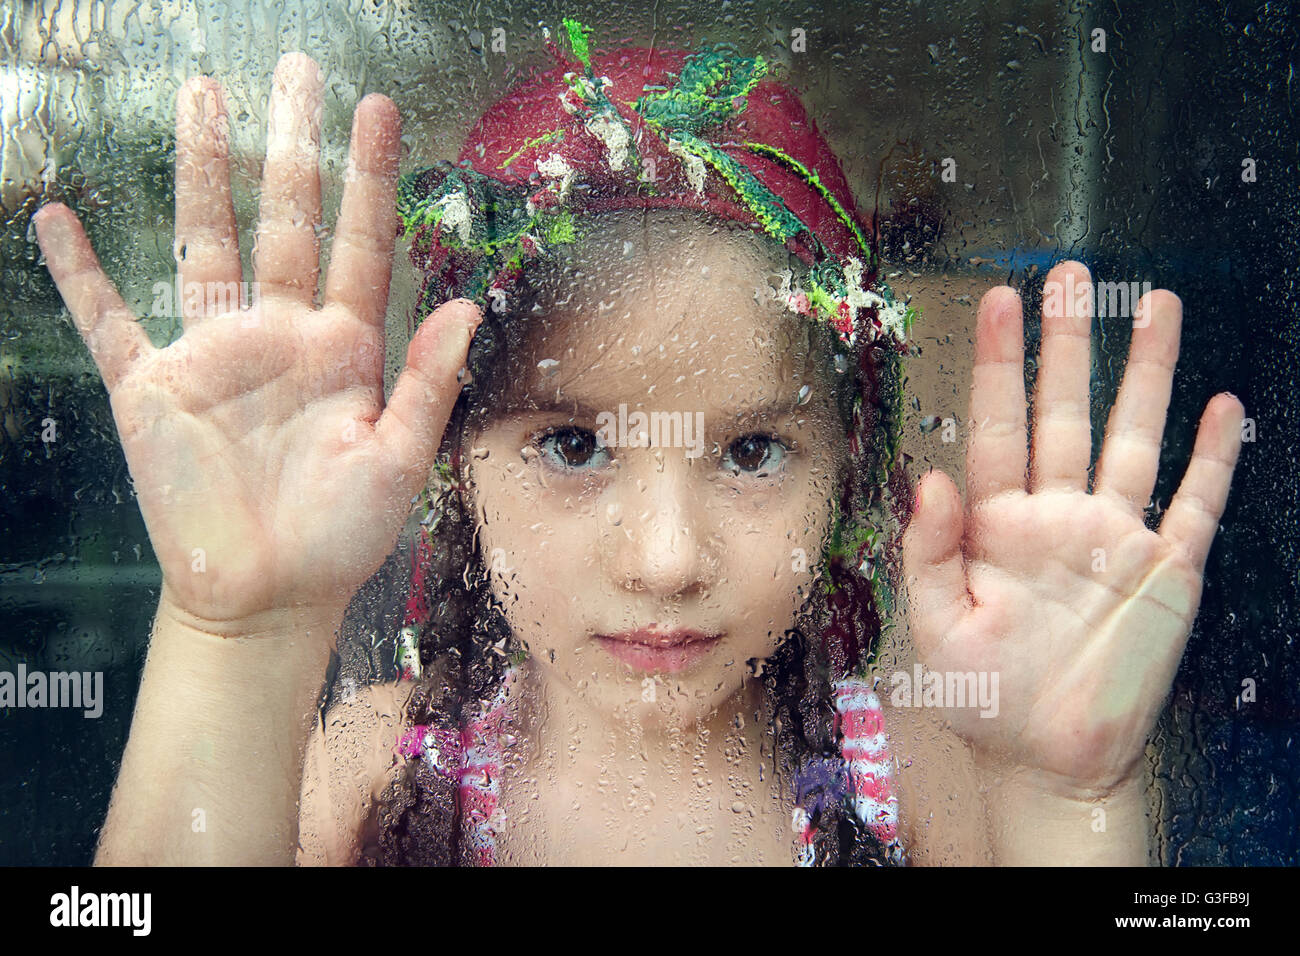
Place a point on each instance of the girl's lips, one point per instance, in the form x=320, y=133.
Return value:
x=669, y=652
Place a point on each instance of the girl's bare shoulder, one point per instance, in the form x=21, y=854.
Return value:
x=351, y=756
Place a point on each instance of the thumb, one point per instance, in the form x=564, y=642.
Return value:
x=932, y=557
x=410, y=430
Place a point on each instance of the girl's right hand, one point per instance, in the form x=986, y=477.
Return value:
x=269, y=471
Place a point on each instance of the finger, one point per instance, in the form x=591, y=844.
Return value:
x=1062, y=444
x=995, y=454
x=207, y=244
x=932, y=557
x=286, y=252
x=115, y=339
x=1193, y=515
x=410, y=429
x=361, y=259
x=1130, y=457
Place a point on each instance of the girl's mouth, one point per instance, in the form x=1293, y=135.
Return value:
x=668, y=652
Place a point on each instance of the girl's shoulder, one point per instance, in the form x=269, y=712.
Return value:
x=351, y=756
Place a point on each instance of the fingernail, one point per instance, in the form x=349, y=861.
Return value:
x=478, y=312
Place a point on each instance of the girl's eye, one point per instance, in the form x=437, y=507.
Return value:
x=754, y=454
x=573, y=448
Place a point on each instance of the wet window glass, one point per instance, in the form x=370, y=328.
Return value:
x=715, y=433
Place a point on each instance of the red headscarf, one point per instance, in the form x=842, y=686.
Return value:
x=774, y=116
x=645, y=128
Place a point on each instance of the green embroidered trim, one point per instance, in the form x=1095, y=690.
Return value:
x=828, y=286
x=712, y=88
x=847, y=540
x=578, y=40
x=561, y=228
x=909, y=319
x=558, y=227
x=776, y=218
x=495, y=220
x=551, y=137
x=813, y=180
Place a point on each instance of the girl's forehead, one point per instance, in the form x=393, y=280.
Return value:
x=659, y=294
x=668, y=308
x=670, y=255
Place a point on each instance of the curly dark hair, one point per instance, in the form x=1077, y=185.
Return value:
x=466, y=644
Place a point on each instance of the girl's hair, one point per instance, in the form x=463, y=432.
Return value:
x=466, y=644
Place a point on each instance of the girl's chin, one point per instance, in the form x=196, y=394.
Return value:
x=623, y=695
x=662, y=701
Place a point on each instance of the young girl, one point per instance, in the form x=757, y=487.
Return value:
x=653, y=566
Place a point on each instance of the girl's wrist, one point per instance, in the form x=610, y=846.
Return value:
x=221, y=723
x=1037, y=819
x=274, y=624
x=274, y=659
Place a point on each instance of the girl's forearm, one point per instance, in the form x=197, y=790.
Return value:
x=213, y=764
x=1033, y=824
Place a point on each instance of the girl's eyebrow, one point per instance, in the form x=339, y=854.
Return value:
x=527, y=405
x=580, y=411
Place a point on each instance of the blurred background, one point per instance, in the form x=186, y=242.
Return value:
x=997, y=138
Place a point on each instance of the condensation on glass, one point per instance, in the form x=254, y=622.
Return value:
x=997, y=137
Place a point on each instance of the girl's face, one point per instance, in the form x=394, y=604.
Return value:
x=653, y=493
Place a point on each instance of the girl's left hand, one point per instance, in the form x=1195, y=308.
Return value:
x=1065, y=595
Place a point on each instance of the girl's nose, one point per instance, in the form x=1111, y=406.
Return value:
x=658, y=529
